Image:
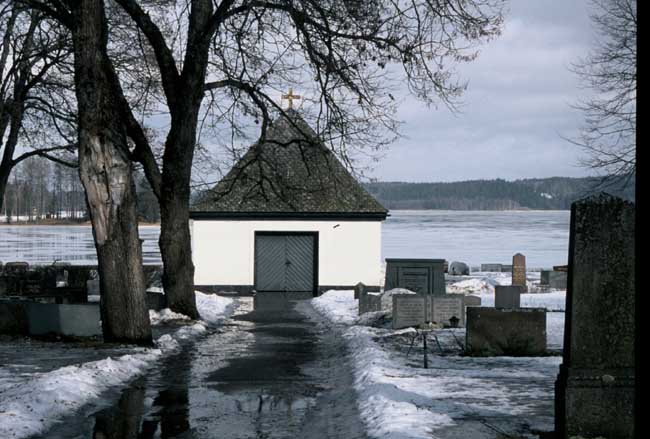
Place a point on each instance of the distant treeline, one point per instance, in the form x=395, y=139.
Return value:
x=556, y=193
x=42, y=190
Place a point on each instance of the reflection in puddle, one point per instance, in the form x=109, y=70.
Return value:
x=168, y=415
x=245, y=380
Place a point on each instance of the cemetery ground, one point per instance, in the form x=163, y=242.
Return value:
x=316, y=372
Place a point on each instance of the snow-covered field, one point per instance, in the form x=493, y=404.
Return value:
x=31, y=406
x=399, y=399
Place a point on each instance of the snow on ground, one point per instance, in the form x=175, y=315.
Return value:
x=399, y=399
x=30, y=407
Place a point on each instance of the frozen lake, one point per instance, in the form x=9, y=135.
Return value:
x=473, y=237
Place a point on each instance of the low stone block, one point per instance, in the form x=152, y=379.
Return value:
x=75, y=320
x=409, y=310
x=491, y=267
x=445, y=308
x=495, y=332
x=508, y=296
x=156, y=301
x=470, y=300
x=13, y=317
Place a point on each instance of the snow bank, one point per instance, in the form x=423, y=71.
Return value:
x=339, y=306
x=165, y=316
x=397, y=400
x=31, y=407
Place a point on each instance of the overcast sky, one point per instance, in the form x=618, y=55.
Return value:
x=517, y=106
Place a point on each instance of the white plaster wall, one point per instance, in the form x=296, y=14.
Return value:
x=223, y=251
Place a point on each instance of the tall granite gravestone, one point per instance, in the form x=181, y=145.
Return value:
x=359, y=289
x=519, y=271
x=594, y=391
x=423, y=276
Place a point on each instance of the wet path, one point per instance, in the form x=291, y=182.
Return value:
x=263, y=374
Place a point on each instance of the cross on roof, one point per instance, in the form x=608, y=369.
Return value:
x=290, y=97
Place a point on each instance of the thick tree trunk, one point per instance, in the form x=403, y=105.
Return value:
x=106, y=174
x=175, y=243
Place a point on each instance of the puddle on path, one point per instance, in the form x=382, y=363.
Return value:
x=245, y=380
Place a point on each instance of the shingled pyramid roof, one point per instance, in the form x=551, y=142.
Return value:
x=292, y=173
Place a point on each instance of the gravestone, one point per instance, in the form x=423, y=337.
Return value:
x=470, y=300
x=510, y=332
x=519, y=271
x=358, y=288
x=459, y=269
x=92, y=287
x=442, y=309
x=507, y=296
x=491, y=267
x=423, y=276
x=368, y=302
x=553, y=279
x=16, y=268
x=594, y=391
x=76, y=320
x=409, y=310
x=155, y=300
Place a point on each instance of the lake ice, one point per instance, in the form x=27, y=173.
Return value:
x=474, y=237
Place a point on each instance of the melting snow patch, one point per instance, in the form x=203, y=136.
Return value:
x=399, y=399
x=31, y=407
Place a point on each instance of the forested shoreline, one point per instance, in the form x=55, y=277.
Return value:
x=42, y=192
x=555, y=193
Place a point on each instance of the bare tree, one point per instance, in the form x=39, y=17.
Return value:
x=33, y=54
x=609, y=134
x=242, y=53
x=106, y=171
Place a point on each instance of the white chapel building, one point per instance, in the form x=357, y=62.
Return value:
x=288, y=217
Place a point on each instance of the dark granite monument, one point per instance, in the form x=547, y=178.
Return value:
x=507, y=296
x=594, y=391
x=553, y=279
x=511, y=332
x=423, y=276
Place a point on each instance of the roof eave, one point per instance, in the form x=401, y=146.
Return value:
x=331, y=216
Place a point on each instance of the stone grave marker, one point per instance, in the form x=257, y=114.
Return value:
x=471, y=300
x=444, y=308
x=594, y=391
x=423, y=276
x=511, y=332
x=519, y=271
x=409, y=310
x=491, y=267
x=553, y=279
x=507, y=296
x=358, y=288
